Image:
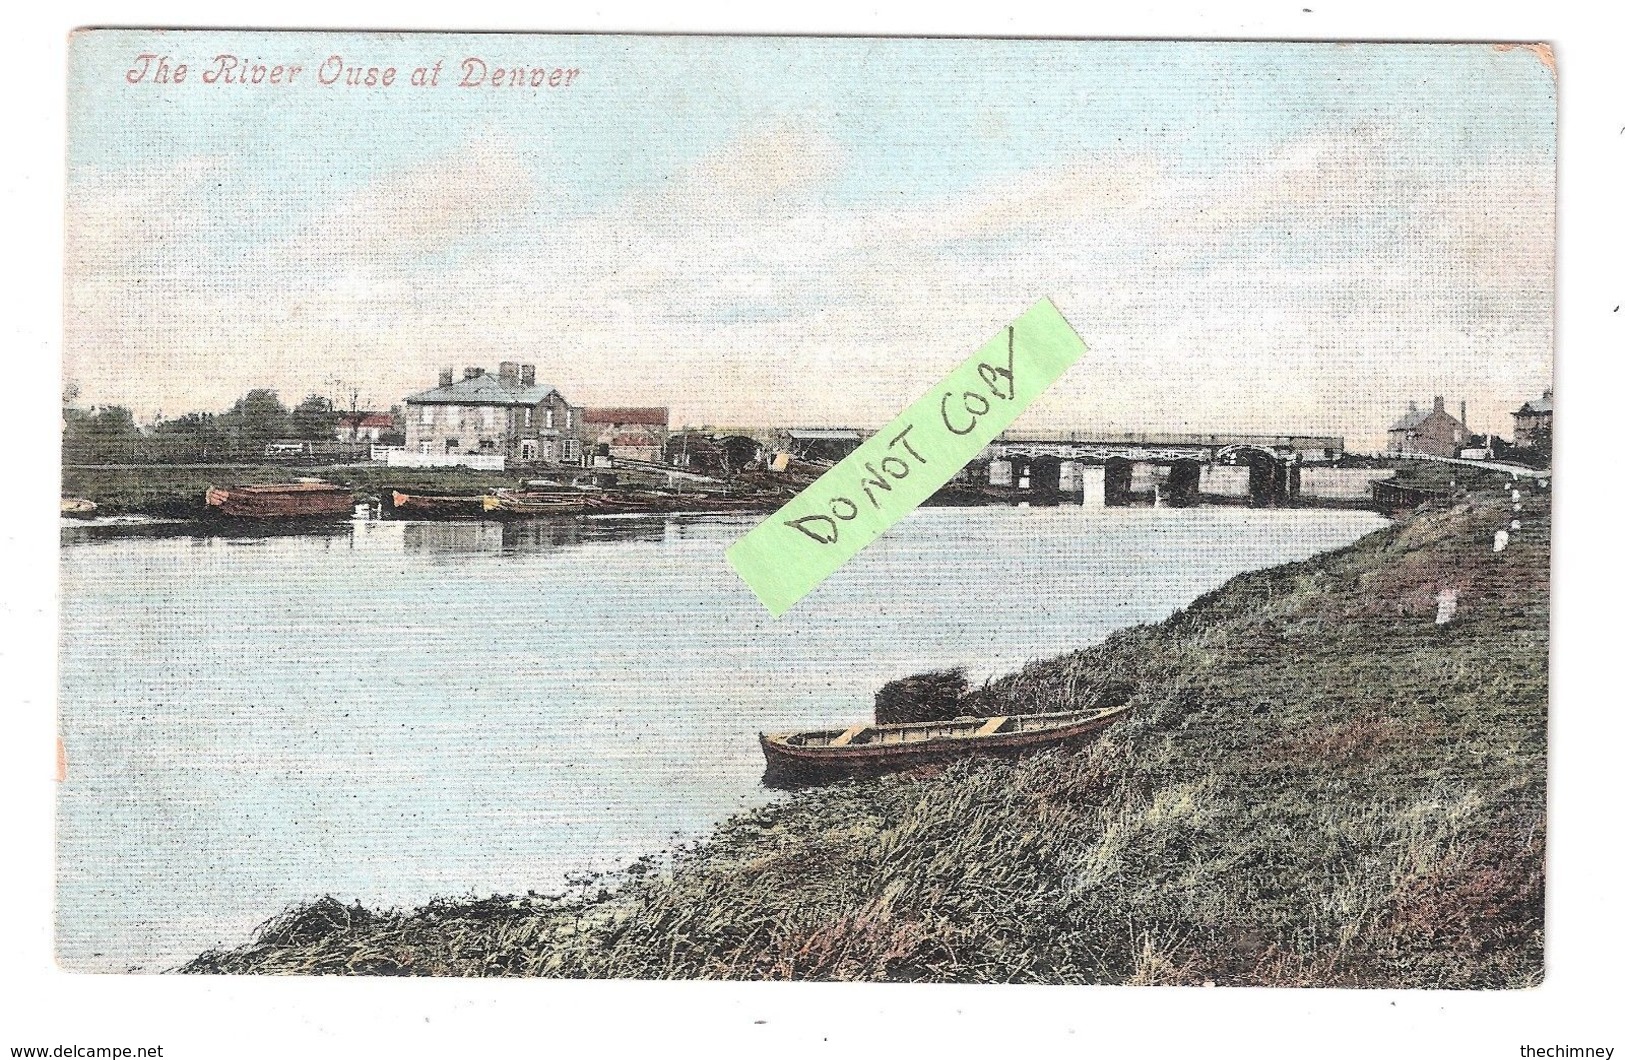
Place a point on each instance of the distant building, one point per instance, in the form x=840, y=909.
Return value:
x=363, y=426
x=1532, y=424
x=711, y=453
x=1483, y=447
x=829, y=444
x=1433, y=433
x=626, y=433
x=508, y=414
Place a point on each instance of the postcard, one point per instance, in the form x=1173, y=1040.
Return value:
x=819, y=508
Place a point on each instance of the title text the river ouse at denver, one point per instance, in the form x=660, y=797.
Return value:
x=336, y=71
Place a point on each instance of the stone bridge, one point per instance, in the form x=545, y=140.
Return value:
x=1098, y=469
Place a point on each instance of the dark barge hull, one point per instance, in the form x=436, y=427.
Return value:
x=436, y=506
x=806, y=758
x=297, y=500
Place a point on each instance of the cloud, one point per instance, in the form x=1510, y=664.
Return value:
x=418, y=213
x=767, y=164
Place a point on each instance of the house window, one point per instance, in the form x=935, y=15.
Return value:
x=569, y=418
x=425, y=447
x=547, y=417
x=572, y=450
x=528, y=411
x=547, y=450
x=487, y=445
x=489, y=415
x=452, y=444
x=427, y=416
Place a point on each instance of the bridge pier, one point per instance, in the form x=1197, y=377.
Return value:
x=1118, y=481
x=1083, y=483
x=1184, y=483
x=1272, y=482
x=1044, y=474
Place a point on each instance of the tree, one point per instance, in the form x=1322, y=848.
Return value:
x=110, y=422
x=258, y=416
x=313, y=418
x=101, y=435
x=189, y=424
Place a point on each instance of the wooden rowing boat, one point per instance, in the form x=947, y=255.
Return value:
x=437, y=505
x=515, y=502
x=628, y=502
x=78, y=507
x=282, y=500
x=800, y=758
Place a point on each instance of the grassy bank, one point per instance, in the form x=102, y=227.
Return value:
x=1318, y=787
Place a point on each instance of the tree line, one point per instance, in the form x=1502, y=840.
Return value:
x=109, y=433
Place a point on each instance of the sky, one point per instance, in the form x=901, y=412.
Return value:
x=772, y=231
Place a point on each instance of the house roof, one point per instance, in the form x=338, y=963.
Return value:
x=1537, y=407
x=483, y=390
x=649, y=417
x=1412, y=419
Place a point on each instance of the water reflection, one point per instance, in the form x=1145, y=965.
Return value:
x=509, y=537
x=117, y=528
x=515, y=536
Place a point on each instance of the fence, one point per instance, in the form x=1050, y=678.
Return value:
x=189, y=449
x=396, y=456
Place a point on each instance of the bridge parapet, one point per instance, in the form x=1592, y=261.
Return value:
x=1099, y=451
x=1161, y=447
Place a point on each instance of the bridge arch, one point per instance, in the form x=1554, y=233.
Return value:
x=1271, y=479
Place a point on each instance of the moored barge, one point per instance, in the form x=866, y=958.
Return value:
x=437, y=505
x=282, y=500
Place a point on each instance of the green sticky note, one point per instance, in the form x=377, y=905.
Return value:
x=892, y=473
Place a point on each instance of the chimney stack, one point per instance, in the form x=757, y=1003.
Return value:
x=445, y=377
x=1438, y=404
x=474, y=373
x=1464, y=414
x=527, y=375
x=508, y=373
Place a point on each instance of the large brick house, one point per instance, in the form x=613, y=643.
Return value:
x=508, y=414
x=1432, y=433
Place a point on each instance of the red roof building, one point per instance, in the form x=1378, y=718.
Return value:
x=626, y=433
x=363, y=426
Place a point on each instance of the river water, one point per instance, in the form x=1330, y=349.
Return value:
x=396, y=711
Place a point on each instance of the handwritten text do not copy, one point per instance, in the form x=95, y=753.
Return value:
x=897, y=469
x=959, y=413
